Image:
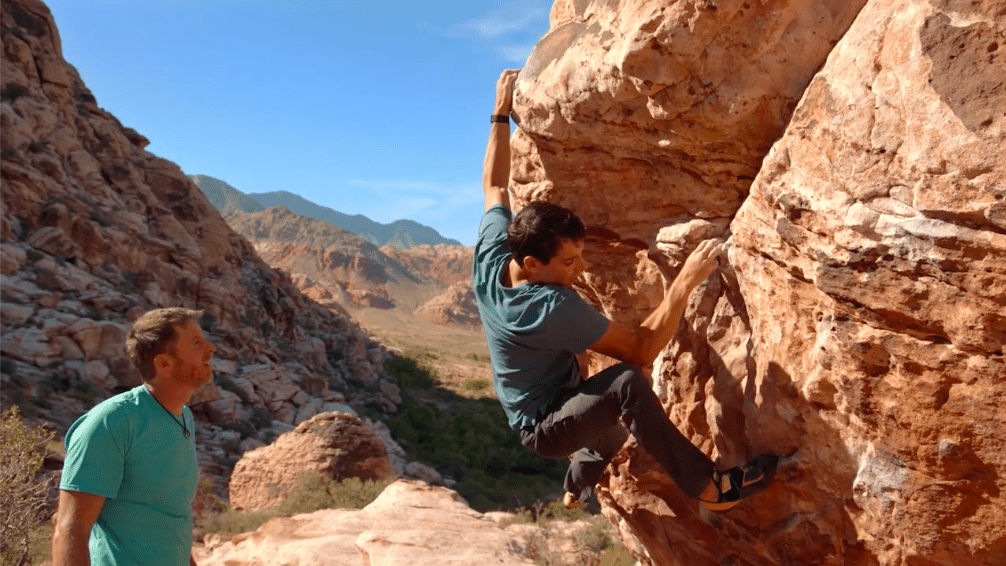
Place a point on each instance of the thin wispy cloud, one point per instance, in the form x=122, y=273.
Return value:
x=514, y=53
x=510, y=31
x=517, y=17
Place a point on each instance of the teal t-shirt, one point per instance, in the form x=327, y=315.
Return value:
x=534, y=331
x=130, y=451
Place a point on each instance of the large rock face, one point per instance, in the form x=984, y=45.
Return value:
x=859, y=326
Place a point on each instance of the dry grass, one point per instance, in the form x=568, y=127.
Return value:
x=457, y=354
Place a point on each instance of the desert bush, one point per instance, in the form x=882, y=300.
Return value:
x=316, y=492
x=22, y=495
x=470, y=441
x=313, y=493
x=232, y=522
x=595, y=537
x=475, y=385
x=407, y=374
x=261, y=417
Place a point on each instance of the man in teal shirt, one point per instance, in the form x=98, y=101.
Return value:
x=535, y=325
x=130, y=470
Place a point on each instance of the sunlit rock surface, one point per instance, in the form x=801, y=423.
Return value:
x=409, y=523
x=858, y=326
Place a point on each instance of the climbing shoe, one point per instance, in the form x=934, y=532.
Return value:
x=570, y=500
x=742, y=481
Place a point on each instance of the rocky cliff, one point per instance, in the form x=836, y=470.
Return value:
x=331, y=264
x=859, y=325
x=95, y=230
x=452, y=267
x=342, y=270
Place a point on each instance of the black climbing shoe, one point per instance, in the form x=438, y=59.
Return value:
x=742, y=482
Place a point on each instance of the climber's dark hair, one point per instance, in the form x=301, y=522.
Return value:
x=539, y=227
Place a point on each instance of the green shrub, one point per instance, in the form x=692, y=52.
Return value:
x=261, y=417
x=475, y=385
x=594, y=537
x=618, y=555
x=407, y=374
x=313, y=492
x=470, y=441
x=232, y=522
x=22, y=496
x=85, y=392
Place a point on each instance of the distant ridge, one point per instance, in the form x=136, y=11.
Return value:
x=399, y=234
x=224, y=197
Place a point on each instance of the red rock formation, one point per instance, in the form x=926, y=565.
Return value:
x=447, y=264
x=454, y=306
x=334, y=445
x=860, y=319
x=329, y=263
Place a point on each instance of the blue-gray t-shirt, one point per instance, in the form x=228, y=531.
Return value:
x=534, y=331
x=129, y=450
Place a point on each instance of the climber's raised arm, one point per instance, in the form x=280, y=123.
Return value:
x=641, y=345
x=496, y=169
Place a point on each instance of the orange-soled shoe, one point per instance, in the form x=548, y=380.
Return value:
x=742, y=481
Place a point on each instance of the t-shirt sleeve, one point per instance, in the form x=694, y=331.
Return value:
x=574, y=325
x=95, y=454
x=491, y=242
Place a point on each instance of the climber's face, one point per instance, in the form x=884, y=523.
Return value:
x=563, y=269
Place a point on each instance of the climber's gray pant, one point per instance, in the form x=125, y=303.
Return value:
x=584, y=423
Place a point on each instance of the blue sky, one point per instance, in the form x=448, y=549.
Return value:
x=373, y=108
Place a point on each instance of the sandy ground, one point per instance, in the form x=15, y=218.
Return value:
x=457, y=353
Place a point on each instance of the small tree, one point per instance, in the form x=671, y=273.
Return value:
x=22, y=497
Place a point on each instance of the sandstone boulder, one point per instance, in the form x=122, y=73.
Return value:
x=335, y=445
x=409, y=523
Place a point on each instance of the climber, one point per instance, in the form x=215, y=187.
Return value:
x=535, y=325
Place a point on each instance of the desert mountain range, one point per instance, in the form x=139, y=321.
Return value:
x=398, y=234
x=345, y=270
